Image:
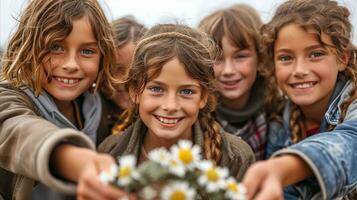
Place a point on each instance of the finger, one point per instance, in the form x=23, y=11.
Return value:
x=253, y=180
x=84, y=192
x=104, y=190
x=270, y=191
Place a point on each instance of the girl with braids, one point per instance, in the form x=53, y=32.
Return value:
x=240, y=73
x=315, y=66
x=171, y=82
x=50, y=114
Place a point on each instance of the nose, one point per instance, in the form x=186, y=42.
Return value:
x=301, y=68
x=70, y=63
x=170, y=103
x=228, y=68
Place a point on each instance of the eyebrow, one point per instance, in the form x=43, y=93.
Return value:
x=307, y=48
x=90, y=44
x=163, y=84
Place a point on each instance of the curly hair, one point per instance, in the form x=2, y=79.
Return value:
x=44, y=22
x=324, y=17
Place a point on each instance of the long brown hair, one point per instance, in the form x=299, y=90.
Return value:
x=239, y=23
x=196, y=51
x=323, y=16
x=44, y=22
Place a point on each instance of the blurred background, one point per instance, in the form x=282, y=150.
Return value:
x=150, y=12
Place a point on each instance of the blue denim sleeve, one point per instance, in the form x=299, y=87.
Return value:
x=332, y=156
x=277, y=139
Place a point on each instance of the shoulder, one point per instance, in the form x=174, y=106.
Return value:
x=237, y=146
x=115, y=144
x=237, y=155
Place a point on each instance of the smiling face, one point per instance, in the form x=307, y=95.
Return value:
x=306, y=71
x=170, y=103
x=236, y=72
x=73, y=63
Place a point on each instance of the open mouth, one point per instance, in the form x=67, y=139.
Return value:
x=68, y=81
x=304, y=85
x=168, y=120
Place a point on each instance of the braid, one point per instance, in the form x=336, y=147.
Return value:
x=296, y=124
x=212, y=138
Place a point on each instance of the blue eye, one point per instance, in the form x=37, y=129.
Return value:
x=155, y=89
x=284, y=58
x=87, y=51
x=56, y=48
x=186, y=92
x=316, y=54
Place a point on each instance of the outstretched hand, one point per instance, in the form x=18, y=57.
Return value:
x=83, y=166
x=263, y=183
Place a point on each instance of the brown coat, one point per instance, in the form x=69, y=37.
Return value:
x=237, y=156
x=26, y=143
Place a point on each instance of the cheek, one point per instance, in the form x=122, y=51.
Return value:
x=217, y=70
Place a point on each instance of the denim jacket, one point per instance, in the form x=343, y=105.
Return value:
x=331, y=155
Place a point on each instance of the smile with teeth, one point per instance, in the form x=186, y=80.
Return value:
x=303, y=85
x=166, y=120
x=67, y=80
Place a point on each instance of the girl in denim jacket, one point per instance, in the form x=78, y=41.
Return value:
x=315, y=67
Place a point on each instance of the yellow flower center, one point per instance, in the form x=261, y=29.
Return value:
x=173, y=163
x=212, y=175
x=177, y=195
x=232, y=187
x=124, y=171
x=186, y=156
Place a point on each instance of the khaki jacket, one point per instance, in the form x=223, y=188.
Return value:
x=26, y=143
x=237, y=156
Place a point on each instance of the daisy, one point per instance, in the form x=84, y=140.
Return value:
x=160, y=155
x=234, y=190
x=178, y=191
x=127, y=170
x=186, y=154
x=212, y=176
x=108, y=175
x=176, y=167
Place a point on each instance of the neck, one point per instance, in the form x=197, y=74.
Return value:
x=68, y=109
x=236, y=104
x=313, y=114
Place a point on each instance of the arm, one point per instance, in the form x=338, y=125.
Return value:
x=265, y=179
x=83, y=166
x=329, y=156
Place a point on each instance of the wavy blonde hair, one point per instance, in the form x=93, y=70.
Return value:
x=196, y=51
x=323, y=16
x=44, y=22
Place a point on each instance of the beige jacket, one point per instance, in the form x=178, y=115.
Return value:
x=26, y=143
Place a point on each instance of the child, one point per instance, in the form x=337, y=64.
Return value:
x=240, y=74
x=171, y=81
x=49, y=119
x=127, y=31
x=315, y=66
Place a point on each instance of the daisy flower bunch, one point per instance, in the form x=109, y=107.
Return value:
x=176, y=174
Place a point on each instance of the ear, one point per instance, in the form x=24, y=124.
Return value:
x=203, y=100
x=343, y=61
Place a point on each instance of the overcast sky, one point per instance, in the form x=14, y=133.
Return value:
x=150, y=12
